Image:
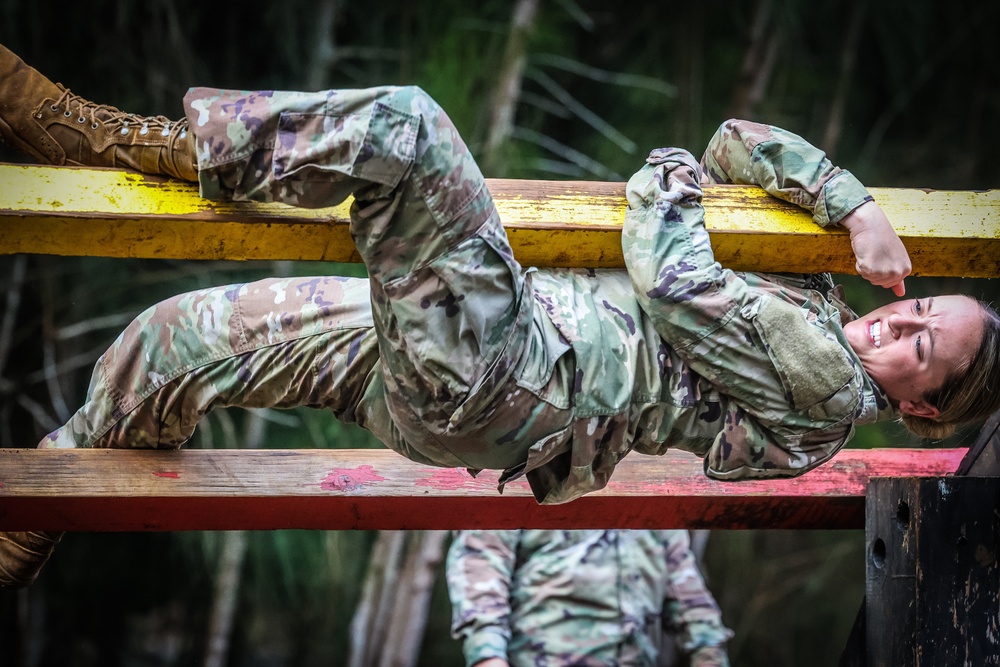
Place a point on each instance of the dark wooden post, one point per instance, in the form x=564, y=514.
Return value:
x=981, y=460
x=933, y=580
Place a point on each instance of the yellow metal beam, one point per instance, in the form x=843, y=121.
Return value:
x=112, y=213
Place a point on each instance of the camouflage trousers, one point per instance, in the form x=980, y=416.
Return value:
x=430, y=354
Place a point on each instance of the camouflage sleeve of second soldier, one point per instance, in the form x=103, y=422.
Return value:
x=784, y=418
x=479, y=570
x=690, y=611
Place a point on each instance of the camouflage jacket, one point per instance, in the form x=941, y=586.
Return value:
x=680, y=352
x=586, y=597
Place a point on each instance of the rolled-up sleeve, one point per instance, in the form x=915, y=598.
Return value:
x=786, y=166
x=690, y=609
x=479, y=568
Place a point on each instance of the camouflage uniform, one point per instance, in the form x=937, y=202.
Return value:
x=580, y=597
x=455, y=356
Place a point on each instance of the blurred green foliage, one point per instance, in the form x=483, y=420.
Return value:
x=915, y=83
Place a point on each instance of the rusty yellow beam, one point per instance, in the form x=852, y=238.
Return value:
x=112, y=213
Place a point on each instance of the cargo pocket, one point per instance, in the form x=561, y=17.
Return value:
x=545, y=348
x=377, y=147
x=457, y=313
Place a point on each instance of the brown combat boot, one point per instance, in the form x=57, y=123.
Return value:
x=48, y=122
x=22, y=556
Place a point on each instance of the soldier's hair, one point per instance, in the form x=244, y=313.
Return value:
x=970, y=394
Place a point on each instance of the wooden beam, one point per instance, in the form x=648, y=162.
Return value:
x=113, y=213
x=129, y=490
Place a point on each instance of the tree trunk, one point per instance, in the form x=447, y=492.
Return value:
x=227, y=588
x=368, y=624
x=325, y=49
x=690, y=46
x=758, y=63
x=389, y=623
x=18, y=271
x=230, y=567
x=52, y=379
x=31, y=616
x=508, y=87
x=413, y=599
x=848, y=56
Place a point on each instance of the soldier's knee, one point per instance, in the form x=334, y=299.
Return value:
x=147, y=327
x=419, y=98
x=415, y=100
x=172, y=336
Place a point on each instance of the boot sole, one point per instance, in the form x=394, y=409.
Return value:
x=10, y=138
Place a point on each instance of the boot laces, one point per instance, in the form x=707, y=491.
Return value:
x=114, y=119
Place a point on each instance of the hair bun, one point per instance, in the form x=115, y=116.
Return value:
x=927, y=428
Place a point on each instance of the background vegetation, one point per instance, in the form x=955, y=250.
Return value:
x=903, y=93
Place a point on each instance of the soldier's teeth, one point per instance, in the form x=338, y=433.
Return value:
x=876, y=333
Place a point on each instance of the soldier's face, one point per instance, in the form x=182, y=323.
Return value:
x=910, y=347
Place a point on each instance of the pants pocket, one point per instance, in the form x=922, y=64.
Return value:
x=378, y=147
x=455, y=315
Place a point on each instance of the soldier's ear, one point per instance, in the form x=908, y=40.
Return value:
x=919, y=408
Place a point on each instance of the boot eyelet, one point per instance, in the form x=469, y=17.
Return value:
x=94, y=126
x=81, y=120
x=125, y=130
x=54, y=108
x=144, y=130
x=67, y=113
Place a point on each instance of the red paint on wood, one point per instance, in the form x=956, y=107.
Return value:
x=171, y=475
x=350, y=479
x=450, y=479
